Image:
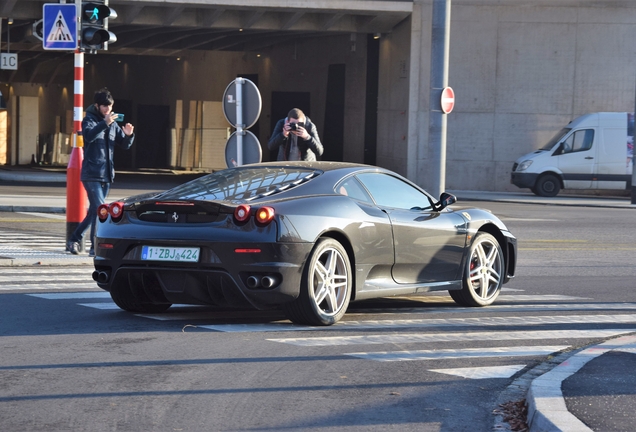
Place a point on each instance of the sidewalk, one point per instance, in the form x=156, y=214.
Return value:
x=593, y=390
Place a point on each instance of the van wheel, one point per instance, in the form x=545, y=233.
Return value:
x=548, y=185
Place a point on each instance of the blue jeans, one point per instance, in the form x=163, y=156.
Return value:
x=97, y=193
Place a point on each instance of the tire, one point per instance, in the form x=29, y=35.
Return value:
x=548, y=185
x=326, y=286
x=484, y=273
x=134, y=300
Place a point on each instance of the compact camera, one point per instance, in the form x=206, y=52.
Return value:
x=294, y=126
x=120, y=118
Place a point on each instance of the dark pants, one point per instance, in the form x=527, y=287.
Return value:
x=97, y=193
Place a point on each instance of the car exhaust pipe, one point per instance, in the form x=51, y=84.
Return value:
x=253, y=282
x=100, y=276
x=269, y=281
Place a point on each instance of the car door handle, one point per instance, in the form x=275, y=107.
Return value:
x=589, y=157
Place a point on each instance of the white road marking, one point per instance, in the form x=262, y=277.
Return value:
x=64, y=270
x=628, y=349
x=70, y=277
x=101, y=306
x=519, y=351
x=50, y=286
x=113, y=306
x=426, y=323
x=452, y=337
x=427, y=308
x=73, y=296
x=485, y=372
x=45, y=215
x=547, y=297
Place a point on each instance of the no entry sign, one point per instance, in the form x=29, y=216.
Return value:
x=447, y=100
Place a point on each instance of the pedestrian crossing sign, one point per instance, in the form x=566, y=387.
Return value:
x=59, y=26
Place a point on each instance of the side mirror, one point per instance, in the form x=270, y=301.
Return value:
x=445, y=199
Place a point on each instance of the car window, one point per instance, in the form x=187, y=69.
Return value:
x=242, y=183
x=353, y=189
x=389, y=191
x=580, y=140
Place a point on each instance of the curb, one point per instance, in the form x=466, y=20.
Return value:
x=39, y=177
x=546, y=406
x=31, y=209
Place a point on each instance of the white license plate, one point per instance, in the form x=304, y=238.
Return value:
x=162, y=253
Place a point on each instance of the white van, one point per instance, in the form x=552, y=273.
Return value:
x=593, y=151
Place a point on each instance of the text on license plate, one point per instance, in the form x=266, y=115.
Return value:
x=161, y=253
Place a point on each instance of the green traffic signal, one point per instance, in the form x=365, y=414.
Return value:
x=94, y=12
x=94, y=24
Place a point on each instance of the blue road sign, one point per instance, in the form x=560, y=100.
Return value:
x=59, y=26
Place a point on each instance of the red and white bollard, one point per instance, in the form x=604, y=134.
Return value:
x=76, y=198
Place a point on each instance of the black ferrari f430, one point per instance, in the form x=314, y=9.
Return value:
x=306, y=237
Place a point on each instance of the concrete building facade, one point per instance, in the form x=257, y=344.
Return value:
x=521, y=70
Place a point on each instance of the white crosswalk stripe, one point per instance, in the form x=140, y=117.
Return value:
x=46, y=278
x=411, y=334
x=17, y=241
x=517, y=351
x=29, y=246
x=452, y=337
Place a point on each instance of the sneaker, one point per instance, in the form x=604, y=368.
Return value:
x=73, y=247
x=91, y=252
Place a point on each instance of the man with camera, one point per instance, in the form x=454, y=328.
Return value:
x=101, y=133
x=296, y=138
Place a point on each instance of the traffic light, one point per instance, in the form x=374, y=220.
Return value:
x=94, y=24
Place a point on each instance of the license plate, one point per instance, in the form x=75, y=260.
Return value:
x=162, y=253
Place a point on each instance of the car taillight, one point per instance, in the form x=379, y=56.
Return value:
x=116, y=210
x=242, y=213
x=264, y=215
x=102, y=212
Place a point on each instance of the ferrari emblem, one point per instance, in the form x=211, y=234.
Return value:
x=175, y=217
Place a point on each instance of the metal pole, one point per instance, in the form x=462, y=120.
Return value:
x=239, y=121
x=634, y=159
x=634, y=173
x=440, y=38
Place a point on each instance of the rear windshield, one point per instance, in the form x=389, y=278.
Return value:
x=555, y=139
x=242, y=183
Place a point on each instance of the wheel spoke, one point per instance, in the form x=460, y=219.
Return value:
x=332, y=300
x=329, y=286
x=485, y=274
x=321, y=272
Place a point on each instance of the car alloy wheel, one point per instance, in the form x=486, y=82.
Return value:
x=484, y=273
x=326, y=286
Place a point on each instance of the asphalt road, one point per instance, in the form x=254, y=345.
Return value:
x=78, y=364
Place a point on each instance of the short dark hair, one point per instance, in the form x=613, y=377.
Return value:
x=103, y=97
x=296, y=113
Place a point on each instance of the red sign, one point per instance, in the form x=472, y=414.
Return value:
x=447, y=100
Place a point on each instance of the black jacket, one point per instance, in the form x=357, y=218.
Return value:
x=99, y=145
x=308, y=149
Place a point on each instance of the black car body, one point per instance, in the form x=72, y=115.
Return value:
x=308, y=237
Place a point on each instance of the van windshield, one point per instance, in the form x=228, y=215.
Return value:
x=555, y=139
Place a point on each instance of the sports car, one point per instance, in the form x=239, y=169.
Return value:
x=305, y=237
